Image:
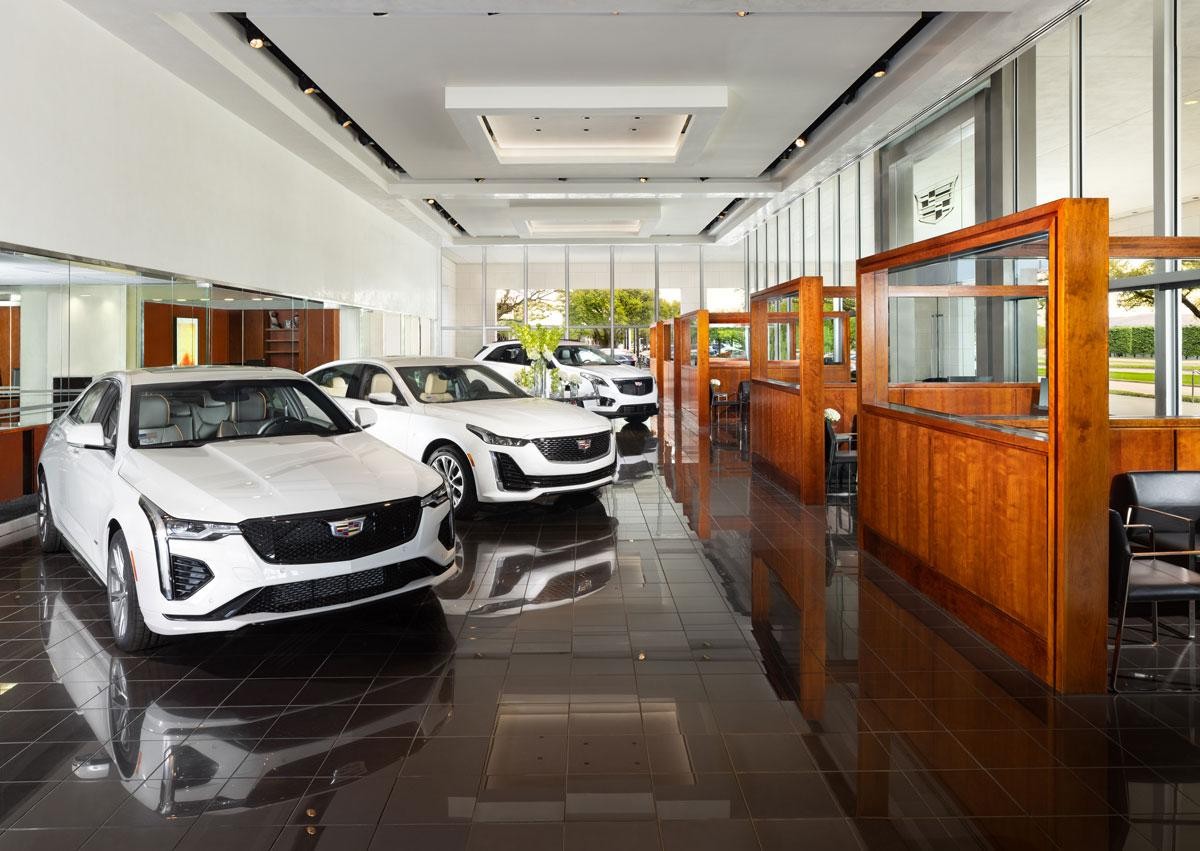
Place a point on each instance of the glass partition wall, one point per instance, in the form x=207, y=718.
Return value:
x=65, y=321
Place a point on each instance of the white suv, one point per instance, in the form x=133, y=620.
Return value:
x=625, y=391
x=209, y=498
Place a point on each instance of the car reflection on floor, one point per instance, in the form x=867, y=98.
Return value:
x=637, y=451
x=178, y=758
x=505, y=572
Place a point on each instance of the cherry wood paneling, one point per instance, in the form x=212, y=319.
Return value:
x=1141, y=449
x=843, y=398
x=10, y=344
x=775, y=412
x=968, y=397
x=729, y=372
x=689, y=390
x=158, y=331
x=254, y=324
x=12, y=463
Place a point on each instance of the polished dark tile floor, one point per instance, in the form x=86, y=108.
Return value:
x=689, y=660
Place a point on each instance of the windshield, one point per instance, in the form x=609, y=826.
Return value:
x=202, y=412
x=583, y=356
x=453, y=383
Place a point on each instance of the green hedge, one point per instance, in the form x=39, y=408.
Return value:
x=1137, y=341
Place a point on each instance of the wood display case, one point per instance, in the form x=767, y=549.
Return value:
x=1000, y=521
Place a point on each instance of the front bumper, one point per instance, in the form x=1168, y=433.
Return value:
x=615, y=408
x=244, y=589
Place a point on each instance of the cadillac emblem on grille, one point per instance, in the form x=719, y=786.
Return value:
x=584, y=444
x=347, y=528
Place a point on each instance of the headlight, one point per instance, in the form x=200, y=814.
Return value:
x=439, y=495
x=166, y=528
x=495, y=439
x=595, y=379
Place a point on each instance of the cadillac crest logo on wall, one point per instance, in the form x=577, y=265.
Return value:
x=935, y=203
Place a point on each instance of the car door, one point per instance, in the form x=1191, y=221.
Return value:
x=90, y=471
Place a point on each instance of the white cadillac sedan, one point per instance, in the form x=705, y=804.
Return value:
x=490, y=440
x=210, y=498
x=624, y=391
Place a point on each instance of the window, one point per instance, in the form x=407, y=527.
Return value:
x=444, y=384
x=86, y=407
x=509, y=354
x=108, y=412
x=336, y=380
x=375, y=379
x=582, y=356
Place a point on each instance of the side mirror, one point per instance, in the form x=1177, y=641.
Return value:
x=86, y=435
x=381, y=398
x=365, y=417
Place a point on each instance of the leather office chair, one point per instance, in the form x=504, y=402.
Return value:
x=1142, y=577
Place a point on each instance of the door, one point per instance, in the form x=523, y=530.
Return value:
x=89, y=494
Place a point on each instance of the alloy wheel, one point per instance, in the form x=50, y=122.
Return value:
x=43, y=512
x=449, y=467
x=118, y=593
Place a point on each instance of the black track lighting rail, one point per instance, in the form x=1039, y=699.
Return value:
x=878, y=68
x=725, y=213
x=445, y=214
x=257, y=39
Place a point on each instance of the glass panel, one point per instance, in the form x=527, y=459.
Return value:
x=1189, y=116
x=760, y=235
x=1022, y=262
x=796, y=239
x=724, y=277
x=678, y=279
x=633, y=302
x=848, y=225
x=835, y=341
x=34, y=371
x=812, y=248
x=589, y=311
x=463, y=301
x=547, y=296
x=729, y=341
x=866, y=200
x=1052, y=115
x=772, y=228
x=829, y=219
x=1118, y=120
x=505, y=285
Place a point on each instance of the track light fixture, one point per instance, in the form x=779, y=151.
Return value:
x=880, y=70
x=643, y=180
x=801, y=141
x=480, y=179
x=308, y=86
x=742, y=13
x=430, y=201
x=345, y=121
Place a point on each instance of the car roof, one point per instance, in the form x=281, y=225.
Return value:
x=185, y=374
x=429, y=361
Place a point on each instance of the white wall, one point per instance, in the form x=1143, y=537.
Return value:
x=106, y=155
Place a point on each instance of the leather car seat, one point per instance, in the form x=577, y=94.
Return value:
x=251, y=413
x=437, y=389
x=154, y=421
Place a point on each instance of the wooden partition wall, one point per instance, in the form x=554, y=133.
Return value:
x=787, y=425
x=1005, y=527
x=663, y=337
x=693, y=395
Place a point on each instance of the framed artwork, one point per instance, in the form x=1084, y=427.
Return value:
x=187, y=341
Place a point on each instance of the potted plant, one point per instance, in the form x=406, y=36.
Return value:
x=539, y=342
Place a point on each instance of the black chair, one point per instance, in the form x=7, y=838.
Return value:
x=1142, y=577
x=738, y=406
x=838, y=460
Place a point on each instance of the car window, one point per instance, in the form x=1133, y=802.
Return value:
x=583, y=356
x=453, y=383
x=85, y=407
x=375, y=379
x=108, y=412
x=336, y=380
x=199, y=412
x=509, y=354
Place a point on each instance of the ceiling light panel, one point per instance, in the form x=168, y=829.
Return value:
x=580, y=125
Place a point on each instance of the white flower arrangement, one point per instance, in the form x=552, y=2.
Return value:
x=714, y=382
x=832, y=415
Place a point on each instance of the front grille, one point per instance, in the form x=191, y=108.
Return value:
x=584, y=447
x=635, y=386
x=513, y=478
x=188, y=575
x=334, y=590
x=637, y=410
x=577, y=583
x=310, y=538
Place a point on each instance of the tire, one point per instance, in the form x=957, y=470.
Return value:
x=129, y=628
x=453, y=467
x=48, y=535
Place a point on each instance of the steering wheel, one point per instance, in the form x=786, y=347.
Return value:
x=273, y=425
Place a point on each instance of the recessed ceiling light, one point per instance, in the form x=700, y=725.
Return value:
x=801, y=142
x=643, y=180
x=256, y=298
x=380, y=14
x=227, y=298
x=537, y=129
x=585, y=130
x=537, y=118
x=430, y=201
x=632, y=129
x=741, y=13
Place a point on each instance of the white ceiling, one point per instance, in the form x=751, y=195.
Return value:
x=576, y=64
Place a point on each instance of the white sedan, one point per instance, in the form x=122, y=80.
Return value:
x=486, y=436
x=624, y=391
x=209, y=498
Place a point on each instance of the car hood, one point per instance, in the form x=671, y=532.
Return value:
x=528, y=418
x=618, y=370
x=230, y=481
